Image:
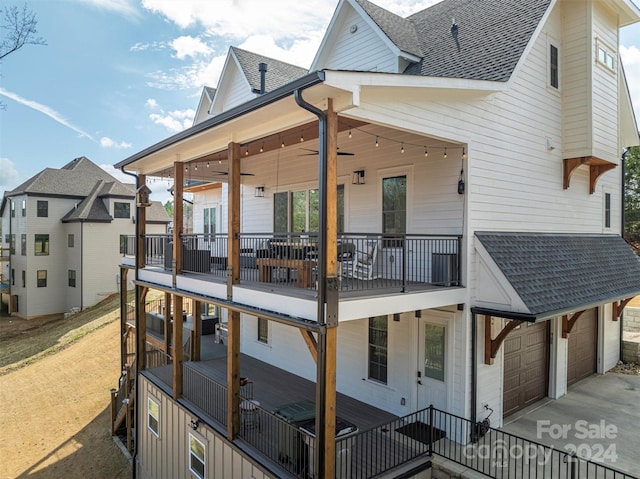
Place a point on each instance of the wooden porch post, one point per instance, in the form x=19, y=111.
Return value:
x=233, y=277
x=178, y=352
x=167, y=323
x=327, y=340
x=123, y=316
x=141, y=330
x=141, y=219
x=178, y=219
x=197, y=330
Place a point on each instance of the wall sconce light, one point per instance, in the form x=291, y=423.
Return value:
x=194, y=424
x=396, y=317
x=418, y=313
x=358, y=177
x=133, y=220
x=259, y=191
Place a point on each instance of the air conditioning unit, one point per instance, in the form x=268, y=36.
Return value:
x=444, y=269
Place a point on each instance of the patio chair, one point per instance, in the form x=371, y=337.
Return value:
x=363, y=265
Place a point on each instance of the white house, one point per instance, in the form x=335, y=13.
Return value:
x=430, y=216
x=63, y=229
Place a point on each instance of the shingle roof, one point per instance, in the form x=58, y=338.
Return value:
x=76, y=178
x=400, y=31
x=554, y=272
x=157, y=214
x=91, y=209
x=210, y=91
x=490, y=39
x=278, y=73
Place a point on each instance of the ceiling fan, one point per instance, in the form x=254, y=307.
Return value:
x=315, y=152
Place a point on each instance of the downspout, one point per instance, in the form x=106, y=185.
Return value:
x=321, y=365
x=137, y=296
x=10, y=305
x=474, y=376
x=81, y=265
x=623, y=164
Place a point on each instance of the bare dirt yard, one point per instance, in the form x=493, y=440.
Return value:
x=55, y=377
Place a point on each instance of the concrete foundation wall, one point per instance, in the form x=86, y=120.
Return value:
x=632, y=320
x=631, y=352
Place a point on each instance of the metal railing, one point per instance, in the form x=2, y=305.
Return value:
x=156, y=357
x=366, y=261
x=205, y=393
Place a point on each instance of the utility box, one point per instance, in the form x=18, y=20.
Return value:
x=292, y=449
x=345, y=437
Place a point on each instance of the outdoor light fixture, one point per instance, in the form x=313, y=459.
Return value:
x=259, y=191
x=194, y=424
x=358, y=177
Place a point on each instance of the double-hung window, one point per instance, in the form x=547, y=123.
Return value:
x=263, y=330
x=121, y=210
x=153, y=416
x=197, y=459
x=378, y=348
x=42, y=245
x=43, y=209
x=209, y=221
x=297, y=211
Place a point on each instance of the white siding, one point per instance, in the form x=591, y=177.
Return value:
x=609, y=344
x=363, y=50
x=234, y=89
x=167, y=456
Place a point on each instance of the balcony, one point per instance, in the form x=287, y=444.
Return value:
x=287, y=262
x=377, y=446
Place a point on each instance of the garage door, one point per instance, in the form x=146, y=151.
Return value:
x=526, y=366
x=583, y=342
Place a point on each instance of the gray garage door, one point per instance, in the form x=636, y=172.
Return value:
x=583, y=341
x=526, y=366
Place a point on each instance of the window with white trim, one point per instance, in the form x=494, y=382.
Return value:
x=378, y=345
x=263, y=330
x=209, y=221
x=554, y=77
x=605, y=57
x=197, y=453
x=153, y=416
x=607, y=210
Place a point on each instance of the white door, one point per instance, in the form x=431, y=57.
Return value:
x=432, y=364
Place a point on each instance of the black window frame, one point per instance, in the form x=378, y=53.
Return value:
x=71, y=239
x=24, y=279
x=41, y=282
x=554, y=66
x=263, y=330
x=43, y=209
x=607, y=210
x=41, y=239
x=120, y=208
x=23, y=244
x=24, y=208
x=72, y=278
x=378, y=353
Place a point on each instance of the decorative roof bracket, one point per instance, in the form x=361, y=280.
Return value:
x=597, y=167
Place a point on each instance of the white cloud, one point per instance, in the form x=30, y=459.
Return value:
x=152, y=103
x=124, y=8
x=631, y=61
x=8, y=173
x=50, y=112
x=174, y=121
x=187, y=46
x=106, y=142
x=154, y=46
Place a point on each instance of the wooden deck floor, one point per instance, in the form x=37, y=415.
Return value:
x=273, y=386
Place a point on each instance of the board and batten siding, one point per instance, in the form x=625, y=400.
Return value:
x=361, y=50
x=167, y=456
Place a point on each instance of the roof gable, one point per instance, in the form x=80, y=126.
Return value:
x=555, y=273
x=204, y=105
x=240, y=78
x=91, y=209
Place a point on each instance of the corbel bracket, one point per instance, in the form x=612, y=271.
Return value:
x=597, y=167
x=569, y=322
x=618, y=307
x=492, y=346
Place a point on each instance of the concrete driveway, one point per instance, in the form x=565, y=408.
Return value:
x=599, y=418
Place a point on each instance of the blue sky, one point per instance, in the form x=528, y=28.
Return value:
x=119, y=75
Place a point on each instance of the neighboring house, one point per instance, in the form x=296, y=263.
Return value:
x=63, y=229
x=471, y=185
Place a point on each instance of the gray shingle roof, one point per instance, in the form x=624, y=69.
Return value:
x=400, y=31
x=278, y=73
x=491, y=37
x=554, y=272
x=76, y=178
x=157, y=214
x=91, y=209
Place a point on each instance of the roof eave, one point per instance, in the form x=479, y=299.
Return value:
x=306, y=81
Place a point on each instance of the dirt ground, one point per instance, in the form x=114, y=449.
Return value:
x=55, y=377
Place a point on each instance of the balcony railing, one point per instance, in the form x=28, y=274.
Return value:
x=365, y=261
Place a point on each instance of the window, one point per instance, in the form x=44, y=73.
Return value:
x=24, y=207
x=153, y=417
x=434, y=351
x=607, y=210
x=209, y=221
x=553, y=67
x=605, y=57
x=24, y=279
x=13, y=277
x=196, y=456
x=42, y=278
x=263, y=330
x=7, y=238
x=43, y=209
x=71, y=240
x=23, y=244
x=12, y=247
x=298, y=211
x=121, y=210
x=72, y=278
x=42, y=245
x=394, y=208
x=13, y=209
x=378, y=341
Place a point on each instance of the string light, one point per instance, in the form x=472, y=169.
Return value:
x=464, y=154
x=282, y=144
x=301, y=137
x=196, y=166
x=350, y=136
x=426, y=152
x=377, y=144
x=445, y=152
x=402, y=148
x=262, y=147
x=186, y=168
x=207, y=164
x=246, y=151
